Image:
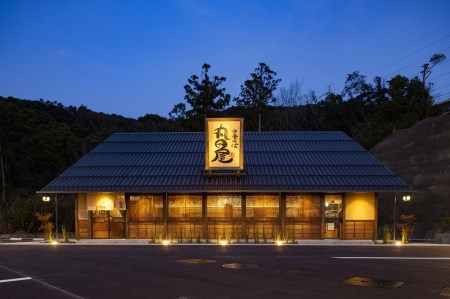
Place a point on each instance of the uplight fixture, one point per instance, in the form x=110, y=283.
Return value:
x=165, y=242
x=279, y=243
x=223, y=242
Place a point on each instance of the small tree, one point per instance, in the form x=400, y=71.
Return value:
x=46, y=225
x=406, y=227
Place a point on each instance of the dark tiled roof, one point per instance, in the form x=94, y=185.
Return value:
x=273, y=161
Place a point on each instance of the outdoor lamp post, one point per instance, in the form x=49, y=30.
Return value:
x=46, y=199
x=395, y=204
x=405, y=198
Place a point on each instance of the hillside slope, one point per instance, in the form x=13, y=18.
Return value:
x=420, y=155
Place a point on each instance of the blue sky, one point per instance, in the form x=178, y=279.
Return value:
x=134, y=57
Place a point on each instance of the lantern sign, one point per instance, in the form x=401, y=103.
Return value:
x=224, y=143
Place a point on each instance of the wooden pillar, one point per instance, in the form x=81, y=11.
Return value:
x=282, y=213
x=77, y=228
x=91, y=225
x=204, y=214
x=166, y=215
x=322, y=217
x=375, y=222
x=108, y=214
x=243, y=214
x=344, y=206
x=127, y=216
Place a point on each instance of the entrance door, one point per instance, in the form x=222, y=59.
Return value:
x=108, y=224
x=333, y=216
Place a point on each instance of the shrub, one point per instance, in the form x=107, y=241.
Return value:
x=46, y=225
x=386, y=234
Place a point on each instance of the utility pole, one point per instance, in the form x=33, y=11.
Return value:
x=259, y=122
x=2, y=165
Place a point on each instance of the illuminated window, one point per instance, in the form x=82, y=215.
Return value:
x=262, y=207
x=146, y=208
x=185, y=206
x=333, y=206
x=304, y=207
x=224, y=206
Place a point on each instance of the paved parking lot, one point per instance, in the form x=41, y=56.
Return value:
x=75, y=271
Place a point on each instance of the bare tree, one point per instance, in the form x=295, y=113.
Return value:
x=291, y=110
x=427, y=67
x=291, y=96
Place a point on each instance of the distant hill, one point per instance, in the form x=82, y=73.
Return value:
x=420, y=155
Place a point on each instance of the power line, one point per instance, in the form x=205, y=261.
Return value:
x=417, y=61
x=410, y=54
x=445, y=74
x=442, y=94
x=327, y=90
x=427, y=36
x=442, y=86
x=400, y=69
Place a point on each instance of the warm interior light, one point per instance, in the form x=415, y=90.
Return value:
x=279, y=243
x=165, y=242
x=398, y=243
x=223, y=242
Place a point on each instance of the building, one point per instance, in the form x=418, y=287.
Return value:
x=292, y=185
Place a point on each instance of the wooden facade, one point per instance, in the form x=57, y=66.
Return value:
x=232, y=216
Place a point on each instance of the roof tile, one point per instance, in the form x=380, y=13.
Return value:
x=273, y=161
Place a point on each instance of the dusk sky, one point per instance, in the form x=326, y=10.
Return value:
x=134, y=57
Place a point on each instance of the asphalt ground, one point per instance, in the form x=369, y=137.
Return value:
x=75, y=271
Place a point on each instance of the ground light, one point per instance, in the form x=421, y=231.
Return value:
x=165, y=242
x=279, y=243
x=223, y=242
x=55, y=243
x=398, y=243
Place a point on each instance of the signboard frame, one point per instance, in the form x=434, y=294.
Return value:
x=208, y=166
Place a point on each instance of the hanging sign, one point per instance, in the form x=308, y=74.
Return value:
x=224, y=143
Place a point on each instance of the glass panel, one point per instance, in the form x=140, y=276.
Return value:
x=224, y=206
x=305, y=207
x=333, y=206
x=185, y=206
x=262, y=207
x=146, y=207
x=82, y=208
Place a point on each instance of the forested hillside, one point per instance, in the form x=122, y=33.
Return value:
x=40, y=139
x=420, y=155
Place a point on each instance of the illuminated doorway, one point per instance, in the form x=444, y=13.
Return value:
x=333, y=216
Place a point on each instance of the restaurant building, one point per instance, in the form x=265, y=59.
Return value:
x=227, y=184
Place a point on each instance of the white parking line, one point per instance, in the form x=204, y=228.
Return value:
x=44, y=283
x=389, y=258
x=15, y=279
